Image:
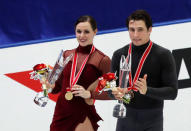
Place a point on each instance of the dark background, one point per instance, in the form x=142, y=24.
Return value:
x=32, y=21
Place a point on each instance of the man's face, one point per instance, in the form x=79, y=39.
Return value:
x=138, y=32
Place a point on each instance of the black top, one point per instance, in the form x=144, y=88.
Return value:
x=161, y=75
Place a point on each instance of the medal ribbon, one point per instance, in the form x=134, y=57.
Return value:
x=139, y=68
x=73, y=78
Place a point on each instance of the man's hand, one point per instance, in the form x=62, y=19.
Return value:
x=141, y=85
x=118, y=92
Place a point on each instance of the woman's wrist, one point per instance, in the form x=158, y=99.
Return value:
x=88, y=94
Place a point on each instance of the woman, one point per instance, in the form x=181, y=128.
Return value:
x=72, y=113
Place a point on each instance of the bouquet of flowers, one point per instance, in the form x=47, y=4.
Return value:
x=43, y=72
x=106, y=82
x=40, y=72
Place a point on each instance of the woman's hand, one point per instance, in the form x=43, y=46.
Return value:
x=45, y=82
x=78, y=90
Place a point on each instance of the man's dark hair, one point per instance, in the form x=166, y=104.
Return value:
x=140, y=15
x=87, y=18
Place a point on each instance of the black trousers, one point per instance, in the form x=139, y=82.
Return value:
x=141, y=120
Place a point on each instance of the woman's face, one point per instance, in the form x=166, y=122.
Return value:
x=85, y=33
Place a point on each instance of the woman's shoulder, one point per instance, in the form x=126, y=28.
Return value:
x=100, y=60
x=99, y=57
x=100, y=54
x=68, y=52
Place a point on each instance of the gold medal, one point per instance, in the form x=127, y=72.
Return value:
x=68, y=95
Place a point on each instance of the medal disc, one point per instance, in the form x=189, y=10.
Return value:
x=131, y=94
x=69, y=95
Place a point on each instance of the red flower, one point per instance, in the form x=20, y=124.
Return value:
x=39, y=67
x=103, y=82
x=109, y=76
x=104, y=79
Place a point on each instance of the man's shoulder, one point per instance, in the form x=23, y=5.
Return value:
x=160, y=49
x=122, y=50
x=161, y=53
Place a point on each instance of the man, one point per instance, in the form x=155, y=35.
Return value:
x=152, y=77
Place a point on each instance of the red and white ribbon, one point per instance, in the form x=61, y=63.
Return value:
x=139, y=68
